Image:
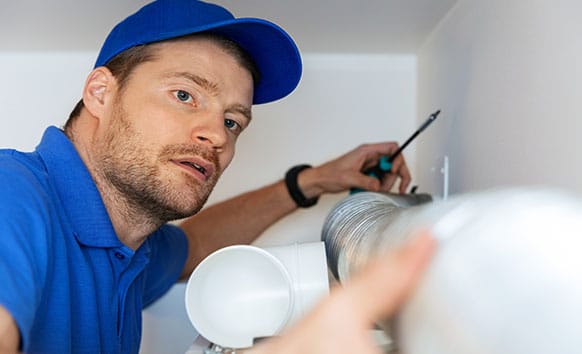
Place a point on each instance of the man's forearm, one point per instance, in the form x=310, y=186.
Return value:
x=239, y=220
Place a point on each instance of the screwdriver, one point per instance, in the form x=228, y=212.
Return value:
x=384, y=164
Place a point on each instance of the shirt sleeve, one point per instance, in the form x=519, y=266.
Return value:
x=24, y=216
x=169, y=249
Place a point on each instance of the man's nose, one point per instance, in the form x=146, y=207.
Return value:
x=209, y=129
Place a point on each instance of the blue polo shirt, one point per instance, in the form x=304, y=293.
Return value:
x=65, y=277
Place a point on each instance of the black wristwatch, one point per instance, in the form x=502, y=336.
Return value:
x=293, y=187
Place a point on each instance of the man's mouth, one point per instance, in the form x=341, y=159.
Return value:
x=195, y=168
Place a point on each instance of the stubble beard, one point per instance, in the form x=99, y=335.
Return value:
x=140, y=190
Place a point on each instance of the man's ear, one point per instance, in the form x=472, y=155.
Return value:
x=100, y=88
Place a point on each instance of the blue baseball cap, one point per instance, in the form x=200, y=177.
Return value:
x=272, y=49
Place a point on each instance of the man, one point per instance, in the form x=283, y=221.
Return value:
x=83, y=236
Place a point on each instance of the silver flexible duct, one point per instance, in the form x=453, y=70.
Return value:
x=352, y=229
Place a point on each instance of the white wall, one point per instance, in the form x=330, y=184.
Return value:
x=342, y=101
x=38, y=89
x=507, y=75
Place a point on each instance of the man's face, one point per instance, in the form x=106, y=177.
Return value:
x=172, y=130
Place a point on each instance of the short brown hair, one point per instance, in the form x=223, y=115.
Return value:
x=124, y=63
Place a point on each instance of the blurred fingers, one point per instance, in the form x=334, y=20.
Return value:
x=381, y=286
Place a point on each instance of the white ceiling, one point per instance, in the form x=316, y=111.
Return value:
x=372, y=26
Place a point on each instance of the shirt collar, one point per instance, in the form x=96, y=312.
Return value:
x=77, y=191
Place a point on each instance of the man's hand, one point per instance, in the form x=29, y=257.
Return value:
x=346, y=172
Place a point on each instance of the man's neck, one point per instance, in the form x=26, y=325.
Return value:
x=131, y=224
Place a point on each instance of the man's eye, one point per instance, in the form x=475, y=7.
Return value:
x=183, y=96
x=232, y=125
